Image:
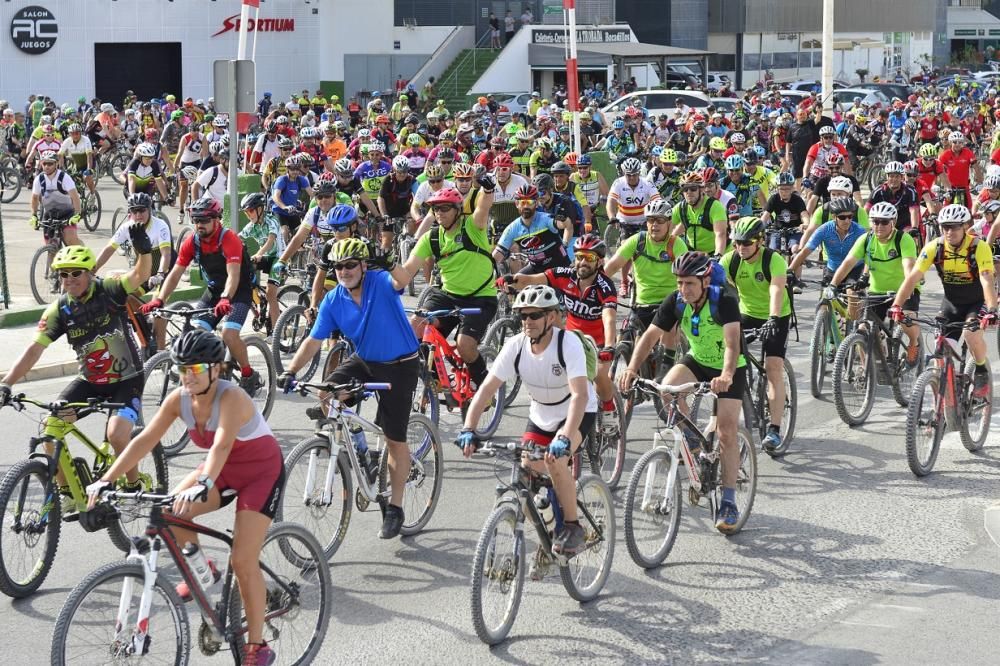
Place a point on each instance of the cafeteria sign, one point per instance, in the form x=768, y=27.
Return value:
x=583, y=36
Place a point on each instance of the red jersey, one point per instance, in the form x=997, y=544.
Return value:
x=584, y=310
x=927, y=176
x=957, y=166
x=929, y=128
x=232, y=248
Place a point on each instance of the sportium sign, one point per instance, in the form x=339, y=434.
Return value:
x=232, y=24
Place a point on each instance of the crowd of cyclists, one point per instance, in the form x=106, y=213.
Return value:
x=709, y=217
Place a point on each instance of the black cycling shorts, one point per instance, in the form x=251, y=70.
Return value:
x=290, y=220
x=395, y=404
x=234, y=320
x=536, y=435
x=912, y=304
x=705, y=374
x=472, y=325
x=777, y=344
x=954, y=313
x=128, y=391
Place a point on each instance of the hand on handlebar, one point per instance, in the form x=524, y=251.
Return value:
x=5, y=395
x=468, y=441
x=896, y=313
x=94, y=492
x=989, y=318
x=154, y=304
x=558, y=448
x=626, y=379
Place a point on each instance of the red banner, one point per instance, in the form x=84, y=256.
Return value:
x=252, y=3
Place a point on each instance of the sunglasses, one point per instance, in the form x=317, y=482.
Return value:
x=691, y=188
x=202, y=220
x=880, y=221
x=745, y=243
x=845, y=217
x=588, y=256
x=346, y=266
x=141, y=209
x=194, y=368
x=463, y=178
x=324, y=196
x=65, y=275
x=435, y=180
x=533, y=316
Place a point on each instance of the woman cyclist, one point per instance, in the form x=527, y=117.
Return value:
x=243, y=456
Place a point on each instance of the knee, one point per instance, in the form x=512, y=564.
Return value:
x=230, y=336
x=245, y=563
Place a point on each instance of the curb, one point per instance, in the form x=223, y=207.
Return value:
x=51, y=371
x=21, y=316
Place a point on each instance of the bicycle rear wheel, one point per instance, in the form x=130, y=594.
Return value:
x=819, y=350
x=298, y=591
x=906, y=375
x=789, y=414
x=87, y=627
x=853, y=379
x=585, y=573
x=162, y=378
x=90, y=209
x=746, y=480
x=132, y=518
x=29, y=531
x=652, y=508
x=623, y=352
x=975, y=422
x=490, y=419
x=498, y=567
x=10, y=184
x=925, y=422
x=423, y=483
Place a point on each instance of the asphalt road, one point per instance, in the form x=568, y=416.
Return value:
x=846, y=559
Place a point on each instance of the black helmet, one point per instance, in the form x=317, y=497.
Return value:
x=841, y=205
x=543, y=182
x=205, y=207
x=561, y=167
x=325, y=187
x=139, y=200
x=253, y=200
x=197, y=346
x=692, y=264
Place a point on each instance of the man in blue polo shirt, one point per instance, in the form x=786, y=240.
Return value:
x=837, y=238
x=365, y=307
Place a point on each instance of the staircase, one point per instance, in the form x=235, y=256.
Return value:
x=461, y=75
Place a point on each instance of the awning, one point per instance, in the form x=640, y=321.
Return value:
x=851, y=44
x=541, y=56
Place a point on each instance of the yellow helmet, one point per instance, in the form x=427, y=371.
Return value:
x=347, y=248
x=74, y=256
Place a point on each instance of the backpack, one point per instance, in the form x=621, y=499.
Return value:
x=59, y=183
x=467, y=245
x=870, y=236
x=715, y=293
x=704, y=223
x=765, y=267
x=640, y=249
x=589, y=351
x=215, y=176
x=970, y=257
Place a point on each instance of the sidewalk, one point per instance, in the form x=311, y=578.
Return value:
x=58, y=360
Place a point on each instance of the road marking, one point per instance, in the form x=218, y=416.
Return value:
x=910, y=609
x=867, y=624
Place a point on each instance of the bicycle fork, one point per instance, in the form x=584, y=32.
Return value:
x=326, y=499
x=138, y=642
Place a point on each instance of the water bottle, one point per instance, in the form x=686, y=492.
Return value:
x=196, y=559
x=360, y=443
x=545, y=510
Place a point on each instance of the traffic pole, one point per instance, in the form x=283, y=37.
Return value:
x=572, y=85
x=828, y=54
x=234, y=134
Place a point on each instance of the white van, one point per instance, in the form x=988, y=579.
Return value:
x=657, y=102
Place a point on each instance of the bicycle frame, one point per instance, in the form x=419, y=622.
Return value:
x=676, y=422
x=945, y=356
x=458, y=392
x=334, y=428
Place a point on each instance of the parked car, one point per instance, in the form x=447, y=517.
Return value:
x=890, y=90
x=795, y=95
x=657, y=102
x=716, y=81
x=679, y=81
x=724, y=105
x=845, y=97
x=515, y=102
x=807, y=85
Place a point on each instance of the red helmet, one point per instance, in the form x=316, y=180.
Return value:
x=570, y=158
x=151, y=134
x=834, y=158
x=381, y=119
x=503, y=160
x=632, y=112
x=526, y=192
x=591, y=243
x=446, y=195
x=709, y=175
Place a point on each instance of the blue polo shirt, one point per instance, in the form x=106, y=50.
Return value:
x=378, y=328
x=836, y=249
x=288, y=191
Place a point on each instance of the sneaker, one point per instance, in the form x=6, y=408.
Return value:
x=569, y=541
x=315, y=413
x=912, y=356
x=392, y=522
x=980, y=384
x=796, y=290
x=184, y=592
x=258, y=654
x=539, y=565
x=252, y=383
x=67, y=505
x=728, y=516
x=609, y=424
x=771, y=441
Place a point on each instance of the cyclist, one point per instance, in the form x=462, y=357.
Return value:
x=54, y=193
x=710, y=320
x=590, y=300
x=836, y=236
x=229, y=278
x=243, y=456
x=191, y=152
x=542, y=160
x=560, y=205
x=965, y=265
x=285, y=197
x=264, y=231
x=591, y=182
x=758, y=273
x=930, y=172
x=700, y=219
x=546, y=241
x=786, y=211
x=900, y=195
x=80, y=152
x=956, y=161
x=394, y=200
x=553, y=368
x=564, y=187
x=365, y=306
x=665, y=176
x=821, y=187
x=840, y=188
x=144, y=172
x=350, y=184
x=889, y=255
x=91, y=313
x=737, y=183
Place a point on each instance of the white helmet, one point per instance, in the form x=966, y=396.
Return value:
x=107, y=107
x=631, y=166
x=737, y=137
x=954, y=214
x=219, y=121
x=894, y=167
x=956, y=137
x=658, y=208
x=826, y=129
x=189, y=173
x=401, y=163
x=147, y=150
x=992, y=182
x=883, y=210
x=343, y=167
x=376, y=146
x=841, y=184
x=537, y=296
x=364, y=133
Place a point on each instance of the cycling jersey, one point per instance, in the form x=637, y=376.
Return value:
x=903, y=199
x=961, y=284
x=144, y=174
x=584, y=309
x=786, y=214
x=157, y=230
x=836, y=247
x=222, y=248
x=562, y=206
x=371, y=176
x=708, y=348
x=632, y=200
x=314, y=150
x=763, y=178
x=591, y=187
x=171, y=137
x=288, y=190
x=55, y=191
x=397, y=195
x=665, y=183
x=522, y=159
x=463, y=272
x=821, y=216
x=744, y=191
x=539, y=239
x=98, y=329
x=192, y=150
x=652, y=269
x=77, y=151
x=753, y=289
x=417, y=158
x=259, y=231
x=699, y=236
x=885, y=259
x=508, y=191
x=957, y=166
x=540, y=163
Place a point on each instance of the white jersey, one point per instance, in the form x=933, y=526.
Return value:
x=54, y=191
x=268, y=148
x=545, y=380
x=506, y=193
x=192, y=150
x=632, y=200
x=76, y=151
x=214, y=183
x=157, y=231
x=424, y=191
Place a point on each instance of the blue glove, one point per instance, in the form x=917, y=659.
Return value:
x=286, y=382
x=467, y=438
x=559, y=446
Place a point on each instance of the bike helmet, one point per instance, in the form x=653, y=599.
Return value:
x=147, y=150
x=139, y=200
x=463, y=170
x=841, y=184
x=692, y=264
x=346, y=248
x=343, y=167
x=189, y=173
x=657, y=208
x=197, y=346
x=523, y=135
x=992, y=182
x=826, y=130
x=364, y=133
x=544, y=144
x=911, y=168
x=928, y=150
x=750, y=156
x=446, y=154
x=692, y=178
x=893, y=167
x=834, y=159
x=570, y=159
x=591, y=243
x=737, y=137
x=503, y=161
x=954, y=214
x=956, y=137
x=785, y=178
x=75, y=128
x=584, y=160
x=218, y=148
x=401, y=163
x=376, y=147
x=150, y=134
x=618, y=124
x=340, y=216
x=381, y=119
x=49, y=156
x=668, y=156
x=991, y=207
x=205, y=207
x=309, y=132
x=631, y=166
x=748, y=228
x=282, y=120
x=219, y=122
x=883, y=210
x=446, y=196
x=841, y=205
x=734, y=163
x=540, y=296
x=253, y=200
x=74, y=256
x=543, y=182
x=526, y=192
x=292, y=162
x=413, y=140
x=561, y=168
x=325, y=186
x=433, y=171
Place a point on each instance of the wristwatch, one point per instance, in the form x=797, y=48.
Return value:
x=206, y=480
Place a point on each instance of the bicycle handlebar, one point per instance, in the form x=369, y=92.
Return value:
x=187, y=313
x=970, y=325
x=438, y=314
x=649, y=386
x=304, y=388
x=82, y=408
x=108, y=495
x=534, y=451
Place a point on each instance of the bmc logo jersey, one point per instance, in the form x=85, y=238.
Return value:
x=584, y=309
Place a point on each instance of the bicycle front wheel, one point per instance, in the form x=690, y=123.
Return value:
x=652, y=508
x=925, y=422
x=423, y=482
x=619, y=363
x=853, y=379
x=606, y=446
x=297, y=596
x=787, y=426
x=975, y=421
x=90, y=211
x=290, y=331
x=162, y=378
x=490, y=419
x=29, y=531
x=132, y=518
x=746, y=479
x=44, y=281
x=259, y=355
x=10, y=184
x=585, y=573
x=819, y=351
x=88, y=629
x=498, y=574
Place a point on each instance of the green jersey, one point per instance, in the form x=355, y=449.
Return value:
x=885, y=260
x=464, y=272
x=653, y=268
x=753, y=288
x=699, y=233
x=708, y=347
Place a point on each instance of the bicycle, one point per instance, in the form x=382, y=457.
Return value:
x=45, y=284
x=941, y=400
x=832, y=323
x=30, y=501
x=653, y=497
x=874, y=353
x=90, y=202
x=757, y=406
x=162, y=377
x=654, y=367
x=403, y=244
x=10, y=178
x=128, y=611
x=499, y=562
x=318, y=470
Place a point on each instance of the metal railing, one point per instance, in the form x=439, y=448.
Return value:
x=452, y=80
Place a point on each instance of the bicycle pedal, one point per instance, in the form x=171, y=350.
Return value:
x=361, y=501
x=694, y=497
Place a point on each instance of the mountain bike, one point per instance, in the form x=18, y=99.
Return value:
x=942, y=400
x=831, y=324
x=162, y=377
x=90, y=202
x=318, y=470
x=756, y=405
x=45, y=284
x=10, y=178
x=653, y=498
x=403, y=244
x=875, y=353
x=32, y=503
x=499, y=563
x=654, y=367
x=128, y=611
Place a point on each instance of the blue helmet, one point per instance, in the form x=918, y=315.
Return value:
x=267, y=94
x=618, y=124
x=340, y=216
x=375, y=94
x=734, y=162
x=761, y=153
x=583, y=160
x=656, y=151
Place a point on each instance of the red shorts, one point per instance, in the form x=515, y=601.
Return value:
x=257, y=483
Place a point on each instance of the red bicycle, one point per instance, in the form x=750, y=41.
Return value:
x=444, y=376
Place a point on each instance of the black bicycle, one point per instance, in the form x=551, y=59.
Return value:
x=45, y=285
x=654, y=367
x=757, y=404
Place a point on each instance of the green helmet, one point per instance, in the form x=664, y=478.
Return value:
x=74, y=256
x=347, y=248
x=748, y=228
